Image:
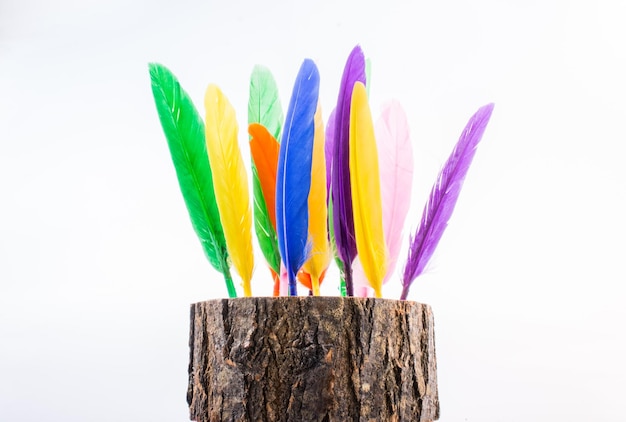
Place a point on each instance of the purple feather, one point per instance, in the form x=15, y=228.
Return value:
x=340, y=177
x=443, y=197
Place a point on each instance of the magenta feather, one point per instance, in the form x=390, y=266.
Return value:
x=443, y=197
x=293, y=178
x=340, y=174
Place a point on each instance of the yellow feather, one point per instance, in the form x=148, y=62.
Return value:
x=365, y=184
x=318, y=222
x=230, y=182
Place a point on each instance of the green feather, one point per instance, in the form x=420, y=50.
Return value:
x=264, y=108
x=184, y=130
x=268, y=240
x=264, y=103
x=343, y=291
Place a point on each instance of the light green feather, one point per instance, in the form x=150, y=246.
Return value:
x=264, y=103
x=264, y=108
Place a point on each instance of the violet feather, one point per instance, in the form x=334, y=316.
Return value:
x=443, y=197
x=293, y=178
x=343, y=219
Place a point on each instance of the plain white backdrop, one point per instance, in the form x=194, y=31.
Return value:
x=98, y=261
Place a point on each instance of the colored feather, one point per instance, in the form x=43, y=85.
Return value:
x=395, y=159
x=318, y=261
x=361, y=284
x=443, y=197
x=343, y=220
x=230, y=182
x=366, y=199
x=184, y=130
x=294, y=172
x=264, y=108
x=283, y=284
x=264, y=151
x=265, y=231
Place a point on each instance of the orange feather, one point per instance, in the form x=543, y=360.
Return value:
x=265, y=149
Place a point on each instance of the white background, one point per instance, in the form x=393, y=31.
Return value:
x=98, y=261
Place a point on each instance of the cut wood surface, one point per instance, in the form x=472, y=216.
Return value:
x=312, y=359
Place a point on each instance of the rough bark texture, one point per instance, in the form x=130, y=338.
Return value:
x=312, y=359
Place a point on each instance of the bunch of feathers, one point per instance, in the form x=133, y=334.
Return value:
x=341, y=191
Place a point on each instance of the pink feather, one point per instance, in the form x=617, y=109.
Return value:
x=395, y=157
x=284, y=281
x=361, y=286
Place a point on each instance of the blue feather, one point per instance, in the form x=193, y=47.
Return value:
x=293, y=178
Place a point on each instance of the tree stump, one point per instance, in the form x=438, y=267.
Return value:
x=312, y=359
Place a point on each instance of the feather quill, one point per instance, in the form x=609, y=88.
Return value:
x=343, y=220
x=443, y=197
x=365, y=184
x=184, y=131
x=230, y=182
x=294, y=172
x=318, y=261
x=395, y=159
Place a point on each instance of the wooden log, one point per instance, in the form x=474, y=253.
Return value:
x=312, y=359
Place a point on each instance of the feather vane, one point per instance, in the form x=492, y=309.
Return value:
x=264, y=102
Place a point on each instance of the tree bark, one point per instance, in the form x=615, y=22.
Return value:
x=312, y=359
